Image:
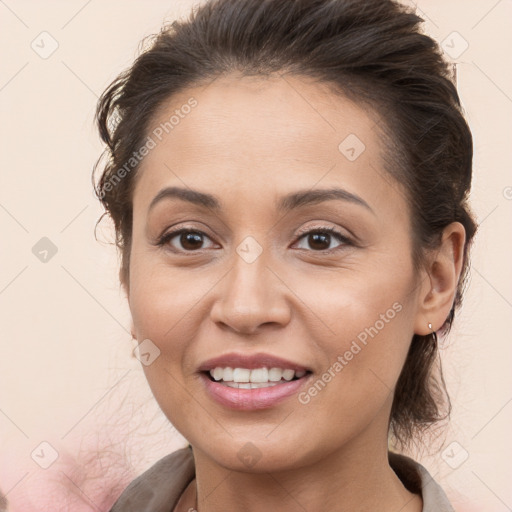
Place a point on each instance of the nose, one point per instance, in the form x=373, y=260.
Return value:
x=252, y=295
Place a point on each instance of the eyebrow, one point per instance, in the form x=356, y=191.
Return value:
x=286, y=203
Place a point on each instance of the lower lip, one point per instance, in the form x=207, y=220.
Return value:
x=252, y=399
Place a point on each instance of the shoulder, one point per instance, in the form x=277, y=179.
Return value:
x=416, y=478
x=158, y=488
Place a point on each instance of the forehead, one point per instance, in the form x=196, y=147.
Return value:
x=260, y=134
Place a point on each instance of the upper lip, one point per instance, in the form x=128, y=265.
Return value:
x=250, y=361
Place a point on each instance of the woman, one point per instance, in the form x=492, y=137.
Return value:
x=288, y=181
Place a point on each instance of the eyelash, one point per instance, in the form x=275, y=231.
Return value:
x=165, y=239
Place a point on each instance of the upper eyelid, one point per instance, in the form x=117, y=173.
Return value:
x=301, y=232
x=328, y=229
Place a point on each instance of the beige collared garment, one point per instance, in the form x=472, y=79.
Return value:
x=159, y=488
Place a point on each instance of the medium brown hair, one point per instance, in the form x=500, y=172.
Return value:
x=371, y=51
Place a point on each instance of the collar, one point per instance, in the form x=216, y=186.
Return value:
x=159, y=488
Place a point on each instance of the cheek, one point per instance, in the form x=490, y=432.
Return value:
x=369, y=317
x=359, y=301
x=167, y=307
x=162, y=300
x=365, y=359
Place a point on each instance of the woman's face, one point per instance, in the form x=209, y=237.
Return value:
x=246, y=279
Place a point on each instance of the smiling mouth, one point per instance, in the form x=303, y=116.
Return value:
x=245, y=378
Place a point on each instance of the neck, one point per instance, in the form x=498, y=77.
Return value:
x=355, y=478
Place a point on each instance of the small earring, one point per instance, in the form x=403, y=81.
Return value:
x=434, y=334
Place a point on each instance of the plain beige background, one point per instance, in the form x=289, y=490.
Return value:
x=68, y=378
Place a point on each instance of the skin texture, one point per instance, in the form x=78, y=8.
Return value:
x=250, y=141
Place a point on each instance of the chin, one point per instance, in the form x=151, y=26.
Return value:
x=257, y=454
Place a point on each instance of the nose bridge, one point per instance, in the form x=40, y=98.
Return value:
x=249, y=274
x=252, y=294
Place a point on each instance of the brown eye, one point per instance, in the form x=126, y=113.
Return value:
x=189, y=240
x=319, y=239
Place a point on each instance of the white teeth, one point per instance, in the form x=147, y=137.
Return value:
x=260, y=377
x=241, y=375
x=288, y=374
x=275, y=374
x=218, y=373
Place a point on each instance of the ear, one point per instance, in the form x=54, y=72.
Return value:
x=440, y=286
